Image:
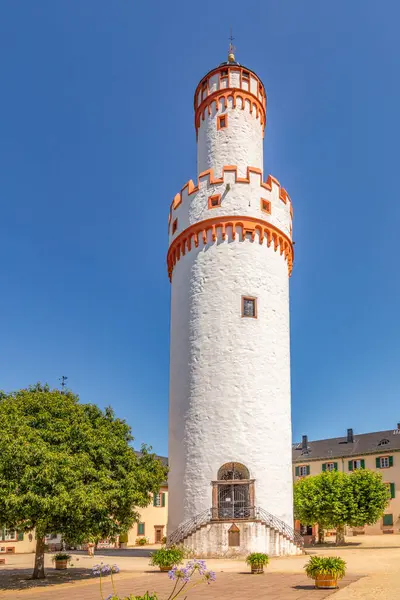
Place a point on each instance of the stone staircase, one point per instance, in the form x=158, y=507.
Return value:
x=205, y=536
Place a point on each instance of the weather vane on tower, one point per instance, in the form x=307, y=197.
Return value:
x=231, y=53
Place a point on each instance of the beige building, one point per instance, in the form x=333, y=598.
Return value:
x=152, y=525
x=379, y=451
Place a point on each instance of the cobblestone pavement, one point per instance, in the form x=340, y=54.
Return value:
x=229, y=586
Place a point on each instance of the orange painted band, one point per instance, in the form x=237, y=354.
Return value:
x=230, y=69
x=183, y=243
x=225, y=93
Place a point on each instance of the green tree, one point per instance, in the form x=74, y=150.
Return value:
x=70, y=468
x=335, y=499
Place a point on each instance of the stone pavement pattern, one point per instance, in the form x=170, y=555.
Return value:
x=232, y=586
x=373, y=574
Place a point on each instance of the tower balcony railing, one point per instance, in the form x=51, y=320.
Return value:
x=227, y=513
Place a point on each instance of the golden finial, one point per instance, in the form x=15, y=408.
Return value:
x=231, y=55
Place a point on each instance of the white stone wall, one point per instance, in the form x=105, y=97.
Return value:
x=240, y=143
x=230, y=376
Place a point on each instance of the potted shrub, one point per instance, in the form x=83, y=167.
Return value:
x=326, y=570
x=142, y=541
x=61, y=560
x=257, y=560
x=166, y=558
x=123, y=540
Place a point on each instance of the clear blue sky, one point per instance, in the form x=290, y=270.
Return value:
x=96, y=138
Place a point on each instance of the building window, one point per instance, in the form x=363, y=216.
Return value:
x=174, y=226
x=391, y=489
x=10, y=535
x=359, y=463
x=302, y=470
x=266, y=206
x=214, y=201
x=387, y=520
x=384, y=442
x=140, y=528
x=249, y=307
x=222, y=121
x=245, y=76
x=330, y=466
x=384, y=462
x=159, y=499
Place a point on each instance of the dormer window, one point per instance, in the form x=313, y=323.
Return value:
x=384, y=442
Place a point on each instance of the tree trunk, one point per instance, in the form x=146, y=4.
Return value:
x=321, y=535
x=340, y=535
x=38, y=571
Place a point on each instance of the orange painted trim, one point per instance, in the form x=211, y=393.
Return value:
x=222, y=118
x=192, y=188
x=244, y=225
x=265, y=205
x=214, y=201
x=230, y=69
x=226, y=93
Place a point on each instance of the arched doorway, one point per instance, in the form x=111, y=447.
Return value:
x=233, y=493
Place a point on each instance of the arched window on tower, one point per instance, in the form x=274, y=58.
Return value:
x=233, y=493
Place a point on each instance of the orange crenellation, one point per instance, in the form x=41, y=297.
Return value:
x=240, y=225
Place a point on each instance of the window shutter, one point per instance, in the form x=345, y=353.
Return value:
x=362, y=463
x=20, y=536
x=378, y=462
x=324, y=467
x=350, y=465
x=297, y=471
x=308, y=469
x=390, y=461
x=335, y=466
x=392, y=490
x=388, y=520
x=163, y=499
x=141, y=529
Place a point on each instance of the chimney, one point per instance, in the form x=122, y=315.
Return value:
x=304, y=442
x=350, y=437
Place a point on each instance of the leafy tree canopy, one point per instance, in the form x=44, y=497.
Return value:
x=335, y=499
x=69, y=468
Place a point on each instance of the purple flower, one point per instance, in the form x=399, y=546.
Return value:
x=172, y=573
x=115, y=569
x=197, y=565
x=210, y=576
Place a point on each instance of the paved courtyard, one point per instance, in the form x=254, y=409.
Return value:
x=373, y=574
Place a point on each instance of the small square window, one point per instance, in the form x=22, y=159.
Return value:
x=174, y=226
x=214, y=201
x=249, y=307
x=384, y=462
x=266, y=206
x=222, y=121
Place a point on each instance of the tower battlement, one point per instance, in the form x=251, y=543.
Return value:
x=231, y=195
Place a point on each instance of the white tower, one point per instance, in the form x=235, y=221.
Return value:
x=229, y=260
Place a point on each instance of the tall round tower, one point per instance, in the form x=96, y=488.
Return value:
x=229, y=260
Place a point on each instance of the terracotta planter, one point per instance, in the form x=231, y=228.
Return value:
x=61, y=564
x=165, y=569
x=257, y=569
x=326, y=582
